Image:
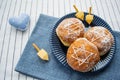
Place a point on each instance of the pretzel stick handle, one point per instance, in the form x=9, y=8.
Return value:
x=75, y=8
x=90, y=10
x=36, y=47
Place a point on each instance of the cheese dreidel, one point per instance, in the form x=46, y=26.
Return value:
x=41, y=53
x=79, y=14
x=89, y=17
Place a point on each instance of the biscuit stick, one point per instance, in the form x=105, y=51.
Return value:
x=41, y=53
x=89, y=17
x=79, y=14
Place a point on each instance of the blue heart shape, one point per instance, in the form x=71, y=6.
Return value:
x=21, y=22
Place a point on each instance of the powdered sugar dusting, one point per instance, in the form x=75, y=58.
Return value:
x=84, y=58
x=73, y=29
x=68, y=24
x=99, y=32
x=105, y=39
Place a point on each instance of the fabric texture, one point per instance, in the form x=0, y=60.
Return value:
x=30, y=64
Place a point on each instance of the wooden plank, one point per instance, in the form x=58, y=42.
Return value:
x=87, y=3
x=2, y=11
x=6, y=41
x=13, y=43
x=67, y=6
x=39, y=8
x=103, y=11
x=44, y=6
x=109, y=14
x=36, y=16
x=99, y=9
x=50, y=7
x=56, y=13
x=3, y=18
x=64, y=7
x=17, y=45
x=83, y=5
x=116, y=13
x=71, y=3
x=11, y=52
x=94, y=7
x=117, y=2
x=61, y=8
x=1, y=1
x=33, y=15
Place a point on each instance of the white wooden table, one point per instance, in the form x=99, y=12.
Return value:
x=12, y=41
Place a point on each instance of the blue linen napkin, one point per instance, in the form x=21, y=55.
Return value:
x=30, y=64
